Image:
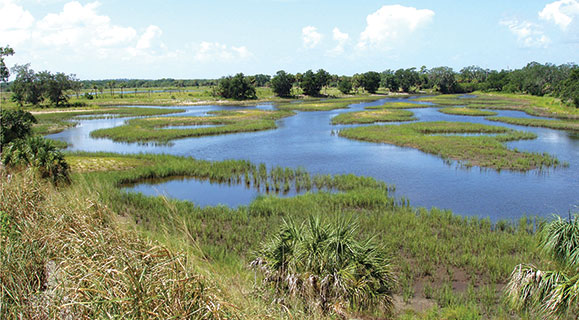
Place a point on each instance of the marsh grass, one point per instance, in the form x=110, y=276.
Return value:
x=57, y=120
x=532, y=105
x=151, y=129
x=400, y=105
x=462, y=111
x=571, y=125
x=383, y=115
x=64, y=254
x=483, y=151
x=327, y=104
x=426, y=246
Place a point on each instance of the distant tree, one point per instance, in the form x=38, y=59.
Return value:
x=282, y=83
x=444, y=79
x=371, y=81
x=389, y=80
x=310, y=84
x=261, y=80
x=54, y=86
x=26, y=87
x=497, y=80
x=237, y=87
x=407, y=78
x=345, y=85
x=323, y=77
x=122, y=85
x=570, y=88
x=111, y=85
x=95, y=87
x=356, y=81
x=4, y=71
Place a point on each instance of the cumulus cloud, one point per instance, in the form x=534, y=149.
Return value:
x=311, y=37
x=81, y=26
x=15, y=23
x=528, y=34
x=215, y=51
x=342, y=38
x=392, y=22
x=560, y=12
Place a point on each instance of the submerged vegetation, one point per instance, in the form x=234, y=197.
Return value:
x=383, y=115
x=223, y=122
x=445, y=140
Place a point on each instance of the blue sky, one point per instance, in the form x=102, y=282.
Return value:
x=208, y=39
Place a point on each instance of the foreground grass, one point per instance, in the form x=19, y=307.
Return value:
x=452, y=262
x=482, y=151
x=532, y=105
x=57, y=120
x=552, y=124
x=64, y=254
x=363, y=117
x=466, y=112
x=222, y=122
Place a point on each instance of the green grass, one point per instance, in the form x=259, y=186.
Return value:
x=433, y=247
x=328, y=104
x=151, y=129
x=482, y=151
x=57, y=120
x=373, y=116
x=461, y=111
x=400, y=105
x=571, y=125
x=532, y=105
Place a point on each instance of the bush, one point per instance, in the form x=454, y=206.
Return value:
x=39, y=154
x=15, y=124
x=327, y=267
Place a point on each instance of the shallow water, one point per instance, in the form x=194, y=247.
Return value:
x=310, y=141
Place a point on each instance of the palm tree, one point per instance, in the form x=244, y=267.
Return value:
x=327, y=267
x=94, y=87
x=122, y=86
x=111, y=85
x=553, y=293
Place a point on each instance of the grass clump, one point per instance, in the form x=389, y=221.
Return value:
x=444, y=139
x=462, y=111
x=64, y=255
x=152, y=129
x=571, y=125
x=400, y=105
x=327, y=105
x=327, y=267
x=384, y=115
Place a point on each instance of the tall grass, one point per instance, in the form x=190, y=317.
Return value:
x=571, y=125
x=63, y=254
x=363, y=117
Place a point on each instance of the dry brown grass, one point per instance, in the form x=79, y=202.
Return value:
x=64, y=255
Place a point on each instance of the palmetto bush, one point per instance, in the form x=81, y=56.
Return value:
x=327, y=267
x=552, y=293
x=39, y=154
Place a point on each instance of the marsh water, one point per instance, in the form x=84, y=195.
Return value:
x=308, y=140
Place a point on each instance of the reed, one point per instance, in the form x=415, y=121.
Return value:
x=363, y=117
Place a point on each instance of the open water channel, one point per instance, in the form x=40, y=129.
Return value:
x=308, y=140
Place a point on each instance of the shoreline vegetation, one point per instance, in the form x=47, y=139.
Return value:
x=155, y=129
x=383, y=115
x=450, y=264
x=451, y=140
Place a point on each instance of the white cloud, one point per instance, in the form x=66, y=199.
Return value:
x=151, y=34
x=560, y=12
x=215, y=51
x=15, y=23
x=342, y=38
x=391, y=23
x=81, y=26
x=528, y=34
x=311, y=37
